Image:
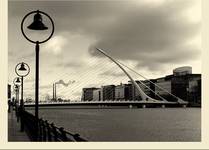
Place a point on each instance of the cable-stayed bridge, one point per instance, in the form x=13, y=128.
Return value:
x=145, y=101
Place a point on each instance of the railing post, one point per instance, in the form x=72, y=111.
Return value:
x=54, y=132
x=78, y=138
x=63, y=134
x=36, y=128
x=33, y=128
x=40, y=129
x=21, y=119
x=17, y=113
x=44, y=131
x=49, y=136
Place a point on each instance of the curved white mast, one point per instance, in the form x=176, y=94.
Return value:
x=143, y=95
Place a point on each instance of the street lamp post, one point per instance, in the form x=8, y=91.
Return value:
x=16, y=83
x=16, y=89
x=37, y=24
x=22, y=70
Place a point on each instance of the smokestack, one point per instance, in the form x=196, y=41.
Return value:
x=53, y=92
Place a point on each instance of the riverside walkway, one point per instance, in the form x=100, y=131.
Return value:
x=14, y=133
x=46, y=132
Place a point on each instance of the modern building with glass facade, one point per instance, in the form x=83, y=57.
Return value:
x=108, y=92
x=87, y=94
x=123, y=92
x=97, y=95
x=182, y=83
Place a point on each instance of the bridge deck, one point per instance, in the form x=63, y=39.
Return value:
x=109, y=103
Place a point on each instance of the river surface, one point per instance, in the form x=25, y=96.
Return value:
x=149, y=124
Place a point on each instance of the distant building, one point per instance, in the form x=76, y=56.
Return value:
x=187, y=87
x=194, y=91
x=135, y=95
x=60, y=100
x=123, y=92
x=182, y=83
x=182, y=71
x=28, y=100
x=87, y=94
x=108, y=92
x=163, y=87
x=97, y=94
x=148, y=87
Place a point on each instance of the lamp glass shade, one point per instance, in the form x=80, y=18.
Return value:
x=37, y=23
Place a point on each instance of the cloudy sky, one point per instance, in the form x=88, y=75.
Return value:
x=151, y=36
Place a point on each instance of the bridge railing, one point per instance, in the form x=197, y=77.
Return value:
x=46, y=131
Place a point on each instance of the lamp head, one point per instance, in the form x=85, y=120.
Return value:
x=16, y=87
x=37, y=23
x=18, y=80
x=22, y=67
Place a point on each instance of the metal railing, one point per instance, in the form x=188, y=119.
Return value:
x=41, y=130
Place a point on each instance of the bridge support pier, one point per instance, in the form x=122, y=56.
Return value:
x=184, y=106
x=130, y=106
x=143, y=106
x=163, y=106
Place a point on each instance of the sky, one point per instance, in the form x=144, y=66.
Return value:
x=152, y=37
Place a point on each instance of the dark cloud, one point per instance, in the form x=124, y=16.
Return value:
x=127, y=30
x=72, y=16
x=151, y=36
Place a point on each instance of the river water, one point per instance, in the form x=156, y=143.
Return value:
x=149, y=124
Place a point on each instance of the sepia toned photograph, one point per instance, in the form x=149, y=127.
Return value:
x=104, y=71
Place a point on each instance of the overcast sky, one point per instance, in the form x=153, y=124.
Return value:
x=151, y=36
